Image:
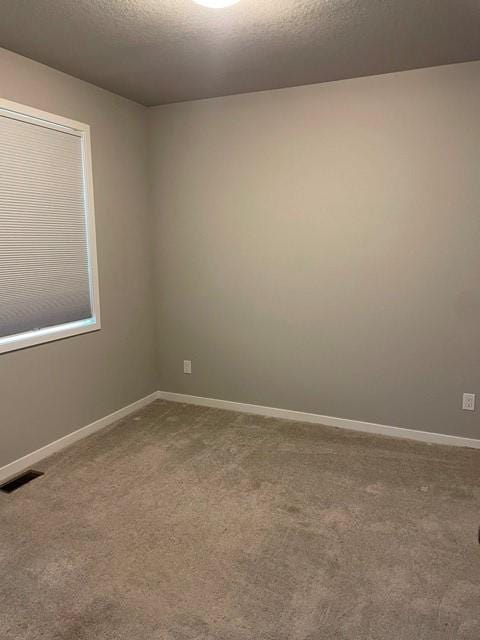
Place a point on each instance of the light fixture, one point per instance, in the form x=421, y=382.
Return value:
x=216, y=4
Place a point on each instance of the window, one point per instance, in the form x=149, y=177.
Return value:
x=48, y=267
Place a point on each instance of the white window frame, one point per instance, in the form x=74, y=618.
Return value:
x=58, y=332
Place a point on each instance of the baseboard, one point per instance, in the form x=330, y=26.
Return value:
x=17, y=466
x=330, y=421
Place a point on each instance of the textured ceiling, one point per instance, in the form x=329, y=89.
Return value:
x=159, y=51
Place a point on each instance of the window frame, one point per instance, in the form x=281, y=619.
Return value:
x=27, y=339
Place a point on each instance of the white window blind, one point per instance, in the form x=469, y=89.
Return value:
x=47, y=283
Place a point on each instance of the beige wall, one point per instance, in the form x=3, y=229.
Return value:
x=318, y=248
x=53, y=389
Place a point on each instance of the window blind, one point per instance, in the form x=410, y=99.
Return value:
x=44, y=261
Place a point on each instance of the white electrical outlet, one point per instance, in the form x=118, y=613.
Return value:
x=468, y=402
x=187, y=366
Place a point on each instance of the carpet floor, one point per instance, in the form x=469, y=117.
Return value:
x=190, y=523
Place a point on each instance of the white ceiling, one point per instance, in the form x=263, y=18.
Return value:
x=160, y=51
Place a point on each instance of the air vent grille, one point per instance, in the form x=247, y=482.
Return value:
x=15, y=483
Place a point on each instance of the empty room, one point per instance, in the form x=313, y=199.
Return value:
x=239, y=320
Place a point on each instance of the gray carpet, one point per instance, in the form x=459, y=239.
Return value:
x=188, y=523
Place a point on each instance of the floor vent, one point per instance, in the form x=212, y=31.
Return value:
x=19, y=481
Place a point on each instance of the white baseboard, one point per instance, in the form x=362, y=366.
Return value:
x=17, y=466
x=342, y=423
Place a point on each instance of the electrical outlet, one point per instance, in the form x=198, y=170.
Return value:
x=187, y=366
x=468, y=402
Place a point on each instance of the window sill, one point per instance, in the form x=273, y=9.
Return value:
x=49, y=334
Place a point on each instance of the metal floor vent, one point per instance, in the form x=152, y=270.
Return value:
x=19, y=481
